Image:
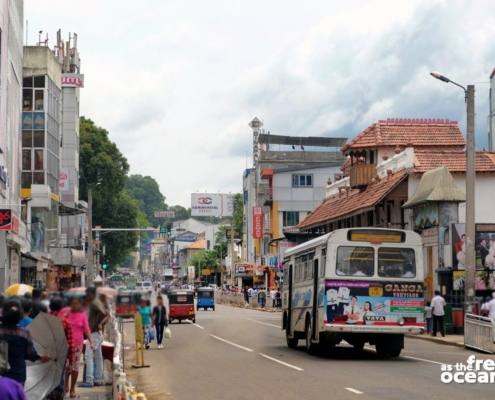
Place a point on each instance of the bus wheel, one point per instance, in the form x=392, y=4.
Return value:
x=390, y=347
x=310, y=346
x=291, y=342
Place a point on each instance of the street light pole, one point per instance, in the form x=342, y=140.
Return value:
x=470, y=264
x=90, y=268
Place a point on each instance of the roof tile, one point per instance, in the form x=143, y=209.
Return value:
x=455, y=161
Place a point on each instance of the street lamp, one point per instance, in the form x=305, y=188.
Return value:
x=469, y=280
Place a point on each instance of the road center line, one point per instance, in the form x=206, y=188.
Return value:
x=354, y=390
x=198, y=326
x=263, y=323
x=232, y=343
x=281, y=362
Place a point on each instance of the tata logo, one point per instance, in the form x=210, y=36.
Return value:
x=205, y=200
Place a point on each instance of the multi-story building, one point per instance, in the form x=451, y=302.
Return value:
x=491, y=113
x=13, y=232
x=287, y=181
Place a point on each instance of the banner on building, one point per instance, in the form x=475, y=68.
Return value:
x=8, y=221
x=257, y=222
x=212, y=205
x=73, y=80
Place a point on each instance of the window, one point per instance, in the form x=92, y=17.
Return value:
x=323, y=262
x=38, y=159
x=39, y=178
x=38, y=139
x=39, y=81
x=302, y=180
x=395, y=262
x=27, y=139
x=290, y=218
x=27, y=100
x=355, y=261
x=38, y=100
x=26, y=160
x=26, y=179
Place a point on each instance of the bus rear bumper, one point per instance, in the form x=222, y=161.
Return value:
x=392, y=329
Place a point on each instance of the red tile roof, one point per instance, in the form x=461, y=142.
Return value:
x=455, y=161
x=404, y=132
x=339, y=206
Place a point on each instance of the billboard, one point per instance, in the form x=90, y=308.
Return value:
x=72, y=80
x=212, y=205
x=257, y=223
x=164, y=214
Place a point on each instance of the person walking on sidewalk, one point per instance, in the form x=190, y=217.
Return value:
x=438, y=310
x=428, y=317
x=145, y=311
x=159, y=316
x=97, y=317
x=489, y=307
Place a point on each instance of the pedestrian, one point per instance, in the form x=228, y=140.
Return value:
x=262, y=298
x=78, y=320
x=38, y=305
x=19, y=344
x=159, y=320
x=278, y=295
x=438, y=310
x=246, y=295
x=145, y=311
x=56, y=309
x=428, y=317
x=93, y=358
x=11, y=390
x=490, y=307
x=27, y=306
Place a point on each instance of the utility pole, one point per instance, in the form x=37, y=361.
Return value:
x=90, y=268
x=232, y=261
x=469, y=283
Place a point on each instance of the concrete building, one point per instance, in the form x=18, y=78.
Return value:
x=287, y=181
x=13, y=229
x=491, y=113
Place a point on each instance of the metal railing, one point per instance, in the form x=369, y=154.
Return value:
x=479, y=333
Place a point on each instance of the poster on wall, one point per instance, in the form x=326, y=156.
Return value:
x=373, y=303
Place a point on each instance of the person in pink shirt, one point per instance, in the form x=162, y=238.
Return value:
x=78, y=320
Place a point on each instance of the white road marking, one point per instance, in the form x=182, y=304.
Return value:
x=354, y=390
x=264, y=323
x=281, y=362
x=411, y=357
x=198, y=326
x=232, y=343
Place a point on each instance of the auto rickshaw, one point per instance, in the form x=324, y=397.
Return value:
x=181, y=305
x=206, y=298
x=127, y=303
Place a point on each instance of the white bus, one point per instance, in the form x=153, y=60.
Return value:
x=361, y=285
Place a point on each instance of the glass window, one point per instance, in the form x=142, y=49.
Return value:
x=395, y=262
x=38, y=139
x=39, y=178
x=302, y=180
x=38, y=160
x=355, y=261
x=27, y=139
x=38, y=100
x=323, y=262
x=27, y=82
x=26, y=160
x=39, y=81
x=290, y=218
x=26, y=178
x=27, y=100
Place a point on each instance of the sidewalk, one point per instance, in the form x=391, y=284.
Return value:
x=452, y=340
x=95, y=393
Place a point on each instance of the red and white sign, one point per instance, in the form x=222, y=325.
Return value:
x=8, y=221
x=73, y=80
x=257, y=223
x=63, y=180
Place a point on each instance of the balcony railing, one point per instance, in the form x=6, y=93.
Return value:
x=361, y=174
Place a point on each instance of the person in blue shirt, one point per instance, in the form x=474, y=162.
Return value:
x=144, y=310
x=27, y=306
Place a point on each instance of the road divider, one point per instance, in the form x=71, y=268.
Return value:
x=281, y=362
x=232, y=343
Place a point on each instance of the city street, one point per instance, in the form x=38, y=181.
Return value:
x=237, y=353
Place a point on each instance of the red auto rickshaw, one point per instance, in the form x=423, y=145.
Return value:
x=127, y=303
x=181, y=305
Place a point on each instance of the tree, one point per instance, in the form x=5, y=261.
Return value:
x=238, y=216
x=147, y=193
x=104, y=169
x=180, y=212
x=204, y=259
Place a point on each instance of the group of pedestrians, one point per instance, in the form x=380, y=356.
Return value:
x=82, y=317
x=154, y=321
x=261, y=296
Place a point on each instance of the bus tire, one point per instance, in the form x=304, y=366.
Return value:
x=390, y=347
x=292, y=343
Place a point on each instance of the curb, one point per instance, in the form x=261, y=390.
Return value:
x=436, y=340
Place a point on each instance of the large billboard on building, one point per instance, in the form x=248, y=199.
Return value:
x=212, y=205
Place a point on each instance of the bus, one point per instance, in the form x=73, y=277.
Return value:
x=360, y=285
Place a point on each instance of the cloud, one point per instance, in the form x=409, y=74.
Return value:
x=176, y=83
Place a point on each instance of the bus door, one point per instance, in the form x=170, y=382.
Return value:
x=315, y=300
x=289, y=302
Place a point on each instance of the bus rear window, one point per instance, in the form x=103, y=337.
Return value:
x=395, y=262
x=355, y=261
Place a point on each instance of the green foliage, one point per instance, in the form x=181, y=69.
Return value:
x=204, y=259
x=147, y=193
x=104, y=169
x=238, y=216
x=180, y=212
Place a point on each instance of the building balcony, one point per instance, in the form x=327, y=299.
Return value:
x=361, y=175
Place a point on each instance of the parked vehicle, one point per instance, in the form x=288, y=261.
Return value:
x=206, y=298
x=127, y=303
x=181, y=305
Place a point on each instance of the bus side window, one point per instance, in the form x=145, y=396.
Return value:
x=323, y=262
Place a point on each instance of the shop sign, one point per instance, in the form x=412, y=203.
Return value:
x=8, y=221
x=257, y=222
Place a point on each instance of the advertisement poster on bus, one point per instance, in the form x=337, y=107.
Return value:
x=374, y=303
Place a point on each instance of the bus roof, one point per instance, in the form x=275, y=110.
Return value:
x=341, y=235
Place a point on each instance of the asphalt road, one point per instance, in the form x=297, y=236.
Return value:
x=239, y=354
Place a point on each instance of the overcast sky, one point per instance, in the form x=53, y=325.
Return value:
x=177, y=82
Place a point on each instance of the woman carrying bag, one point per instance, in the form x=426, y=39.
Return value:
x=160, y=320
